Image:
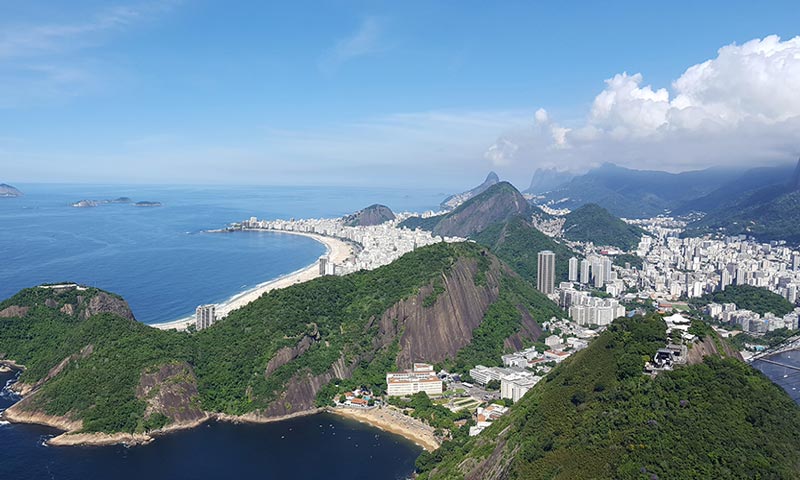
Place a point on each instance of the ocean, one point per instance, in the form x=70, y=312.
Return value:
x=785, y=376
x=161, y=261
x=159, y=258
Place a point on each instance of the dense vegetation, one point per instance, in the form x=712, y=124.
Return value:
x=747, y=297
x=634, y=261
x=518, y=243
x=597, y=416
x=593, y=223
x=331, y=316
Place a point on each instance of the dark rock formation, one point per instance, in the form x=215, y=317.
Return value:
x=171, y=391
x=373, y=215
x=107, y=303
x=547, y=179
x=14, y=311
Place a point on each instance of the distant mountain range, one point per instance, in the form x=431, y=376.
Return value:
x=547, y=179
x=7, y=191
x=638, y=193
x=763, y=203
x=457, y=199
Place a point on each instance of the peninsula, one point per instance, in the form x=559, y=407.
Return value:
x=7, y=191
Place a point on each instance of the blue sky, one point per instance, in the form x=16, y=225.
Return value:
x=385, y=93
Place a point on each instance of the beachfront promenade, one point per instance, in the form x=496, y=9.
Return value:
x=348, y=249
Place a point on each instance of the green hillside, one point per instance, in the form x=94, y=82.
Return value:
x=593, y=223
x=747, y=297
x=250, y=361
x=597, y=416
x=518, y=243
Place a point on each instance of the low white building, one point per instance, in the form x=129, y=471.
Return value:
x=421, y=378
x=516, y=385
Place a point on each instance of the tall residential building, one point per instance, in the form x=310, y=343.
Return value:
x=598, y=275
x=795, y=261
x=206, y=315
x=546, y=273
x=585, y=271
x=573, y=269
x=606, y=269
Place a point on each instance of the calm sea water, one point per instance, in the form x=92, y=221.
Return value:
x=164, y=266
x=785, y=376
x=313, y=447
x=158, y=258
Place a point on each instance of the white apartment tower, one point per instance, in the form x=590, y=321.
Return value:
x=206, y=315
x=546, y=273
x=585, y=271
x=573, y=269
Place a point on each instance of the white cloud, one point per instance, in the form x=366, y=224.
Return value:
x=742, y=107
x=365, y=40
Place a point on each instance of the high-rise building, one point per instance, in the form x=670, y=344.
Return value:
x=598, y=274
x=206, y=316
x=796, y=261
x=573, y=269
x=546, y=273
x=606, y=269
x=725, y=279
x=584, y=271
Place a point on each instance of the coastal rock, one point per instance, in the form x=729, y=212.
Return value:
x=171, y=390
x=287, y=354
x=7, y=191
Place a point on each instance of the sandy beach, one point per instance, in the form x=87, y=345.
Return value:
x=392, y=420
x=337, y=250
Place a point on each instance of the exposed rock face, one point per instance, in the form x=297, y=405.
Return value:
x=530, y=330
x=171, y=391
x=14, y=311
x=429, y=334
x=497, y=204
x=546, y=179
x=435, y=333
x=106, y=303
x=287, y=354
x=457, y=199
x=301, y=394
x=372, y=215
x=710, y=348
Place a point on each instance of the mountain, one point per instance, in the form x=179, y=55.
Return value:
x=517, y=242
x=457, y=199
x=597, y=416
x=372, y=215
x=730, y=192
x=768, y=213
x=547, y=179
x=593, y=223
x=9, y=191
x=638, y=193
x=108, y=378
x=498, y=203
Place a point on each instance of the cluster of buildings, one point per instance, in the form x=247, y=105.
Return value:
x=750, y=321
x=675, y=267
x=420, y=378
x=378, y=245
x=485, y=416
x=585, y=309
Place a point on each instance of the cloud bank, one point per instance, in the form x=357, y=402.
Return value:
x=740, y=108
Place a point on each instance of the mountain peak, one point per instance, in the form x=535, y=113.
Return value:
x=492, y=177
x=796, y=177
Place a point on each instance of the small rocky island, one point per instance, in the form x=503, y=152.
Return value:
x=7, y=191
x=116, y=201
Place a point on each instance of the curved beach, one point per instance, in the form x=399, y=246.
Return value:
x=337, y=250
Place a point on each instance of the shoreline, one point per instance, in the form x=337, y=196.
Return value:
x=392, y=421
x=337, y=250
